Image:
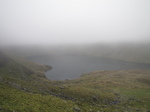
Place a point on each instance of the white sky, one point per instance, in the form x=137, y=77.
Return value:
x=73, y=21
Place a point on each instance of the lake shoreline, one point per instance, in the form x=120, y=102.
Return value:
x=72, y=67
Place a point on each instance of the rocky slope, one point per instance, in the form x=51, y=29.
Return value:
x=23, y=87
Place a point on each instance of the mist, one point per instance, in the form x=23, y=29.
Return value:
x=55, y=22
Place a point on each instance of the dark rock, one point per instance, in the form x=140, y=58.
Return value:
x=61, y=87
x=104, y=106
x=73, y=99
x=14, y=84
x=95, y=98
x=114, y=102
x=132, y=99
x=117, y=94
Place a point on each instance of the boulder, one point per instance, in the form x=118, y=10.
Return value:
x=76, y=108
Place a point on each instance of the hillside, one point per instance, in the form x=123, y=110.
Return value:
x=132, y=52
x=24, y=87
x=126, y=51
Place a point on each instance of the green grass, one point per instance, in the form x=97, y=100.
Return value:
x=105, y=84
x=14, y=100
x=25, y=89
x=139, y=97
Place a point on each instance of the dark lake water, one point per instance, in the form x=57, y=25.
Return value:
x=71, y=66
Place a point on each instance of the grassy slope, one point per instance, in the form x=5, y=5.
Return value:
x=12, y=99
x=130, y=89
x=132, y=52
x=24, y=88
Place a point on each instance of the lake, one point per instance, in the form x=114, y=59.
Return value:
x=72, y=66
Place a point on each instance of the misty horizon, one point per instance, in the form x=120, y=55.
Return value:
x=55, y=22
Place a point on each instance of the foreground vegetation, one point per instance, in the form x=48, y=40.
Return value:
x=24, y=88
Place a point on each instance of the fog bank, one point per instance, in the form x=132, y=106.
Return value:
x=43, y=22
